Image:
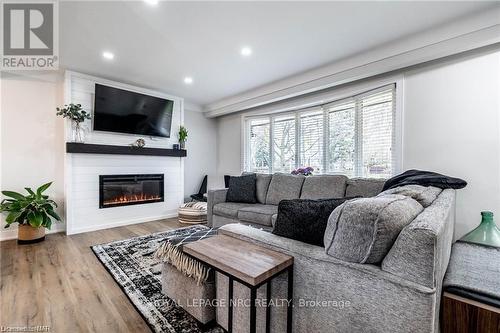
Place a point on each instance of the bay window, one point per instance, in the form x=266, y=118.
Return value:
x=353, y=136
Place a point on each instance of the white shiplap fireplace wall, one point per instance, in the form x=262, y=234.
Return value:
x=82, y=170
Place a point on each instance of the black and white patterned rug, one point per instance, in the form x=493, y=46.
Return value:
x=132, y=264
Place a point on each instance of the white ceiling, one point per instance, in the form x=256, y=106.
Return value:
x=157, y=46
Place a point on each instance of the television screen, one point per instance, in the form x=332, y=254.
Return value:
x=122, y=111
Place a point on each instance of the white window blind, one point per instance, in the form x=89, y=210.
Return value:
x=259, y=135
x=283, y=150
x=311, y=139
x=377, y=113
x=342, y=138
x=353, y=136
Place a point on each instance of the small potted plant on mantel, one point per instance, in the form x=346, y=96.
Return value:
x=77, y=115
x=33, y=212
x=183, y=134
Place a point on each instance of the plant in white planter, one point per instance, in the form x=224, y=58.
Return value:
x=183, y=134
x=33, y=212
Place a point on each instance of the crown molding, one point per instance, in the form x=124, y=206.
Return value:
x=457, y=37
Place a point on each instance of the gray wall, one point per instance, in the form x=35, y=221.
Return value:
x=202, y=151
x=229, y=145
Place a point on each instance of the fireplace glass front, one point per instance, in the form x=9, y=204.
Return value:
x=124, y=190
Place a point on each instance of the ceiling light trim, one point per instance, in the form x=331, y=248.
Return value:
x=246, y=51
x=108, y=55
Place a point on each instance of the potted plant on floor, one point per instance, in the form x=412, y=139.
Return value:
x=183, y=134
x=33, y=212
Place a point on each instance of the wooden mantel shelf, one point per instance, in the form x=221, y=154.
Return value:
x=84, y=148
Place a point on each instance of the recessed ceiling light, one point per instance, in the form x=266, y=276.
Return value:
x=188, y=80
x=151, y=2
x=108, y=55
x=246, y=51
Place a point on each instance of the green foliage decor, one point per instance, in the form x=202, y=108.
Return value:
x=73, y=112
x=183, y=134
x=35, y=209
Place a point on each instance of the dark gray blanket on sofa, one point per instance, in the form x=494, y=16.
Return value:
x=424, y=178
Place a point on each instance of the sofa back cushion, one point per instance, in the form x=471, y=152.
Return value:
x=364, y=187
x=324, y=187
x=284, y=187
x=425, y=195
x=364, y=230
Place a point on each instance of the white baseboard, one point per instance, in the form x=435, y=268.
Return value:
x=73, y=231
x=11, y=233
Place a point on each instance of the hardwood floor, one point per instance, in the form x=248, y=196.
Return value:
x=59, y=283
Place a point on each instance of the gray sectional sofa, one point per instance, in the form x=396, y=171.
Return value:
x=399, y=294
x=271, y=189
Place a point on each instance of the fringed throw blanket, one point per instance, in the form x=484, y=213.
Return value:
x=171, y=252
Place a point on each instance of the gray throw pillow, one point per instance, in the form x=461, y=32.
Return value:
x=364, y=230
x=242, y=189
x=425, y=195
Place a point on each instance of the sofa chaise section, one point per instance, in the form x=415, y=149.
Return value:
x=400, y=295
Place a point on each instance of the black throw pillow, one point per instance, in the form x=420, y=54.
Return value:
x=305, y=220
x=242, y=189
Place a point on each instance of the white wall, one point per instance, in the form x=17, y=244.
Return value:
x=451, y=125
x=32, y=137
x=82, y=197
x=202, y=152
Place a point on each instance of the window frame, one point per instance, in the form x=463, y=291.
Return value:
x=355, y=95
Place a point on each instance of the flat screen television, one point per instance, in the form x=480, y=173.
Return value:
x=122, y=111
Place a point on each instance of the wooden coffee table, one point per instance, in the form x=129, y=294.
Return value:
x=247, y=263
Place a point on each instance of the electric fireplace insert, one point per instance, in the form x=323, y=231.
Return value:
x=124, y=190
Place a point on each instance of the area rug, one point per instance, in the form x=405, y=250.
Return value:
x=132, y=264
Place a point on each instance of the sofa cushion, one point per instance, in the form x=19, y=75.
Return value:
x=242, y=189
x=258, y=213
x=273, y=219
x=364, y=187
x=364, y=230
x=261, y=186
x=425, y=195
x=284, y=187
x=305, y=219
x=324, y=187
x=229, y=209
